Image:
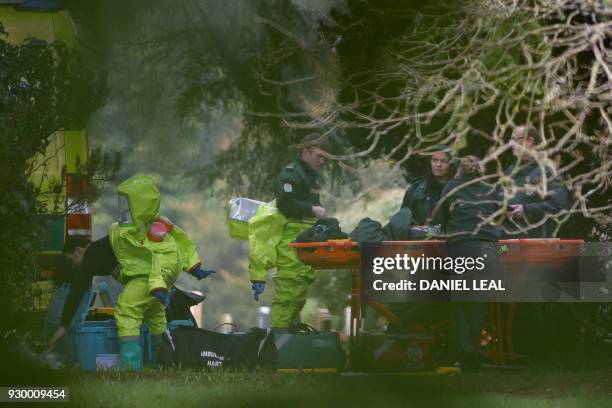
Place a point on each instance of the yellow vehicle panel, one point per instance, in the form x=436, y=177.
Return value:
x=66, y=148
x=45, y=26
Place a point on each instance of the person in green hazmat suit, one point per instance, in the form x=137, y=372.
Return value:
x=272, y=229
x=152, y=252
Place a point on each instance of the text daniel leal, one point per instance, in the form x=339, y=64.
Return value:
x=451, y=284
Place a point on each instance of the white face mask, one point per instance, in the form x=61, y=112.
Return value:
x=123, y=205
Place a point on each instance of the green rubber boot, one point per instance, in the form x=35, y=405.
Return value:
x=156, y=346
x=130, y=355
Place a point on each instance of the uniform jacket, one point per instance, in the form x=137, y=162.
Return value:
x=463, y=206
x=296, y=190
x=421, y=198
x=528, y=179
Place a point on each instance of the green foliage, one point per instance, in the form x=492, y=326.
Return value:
x=20, y=236
x=42, y=90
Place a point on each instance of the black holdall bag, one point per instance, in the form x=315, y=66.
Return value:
x=192, y=347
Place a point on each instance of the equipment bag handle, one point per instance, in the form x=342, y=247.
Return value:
x=305, y=327
x=228, y=324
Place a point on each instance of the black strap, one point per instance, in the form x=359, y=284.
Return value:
x=229, y=324
x=304, y=327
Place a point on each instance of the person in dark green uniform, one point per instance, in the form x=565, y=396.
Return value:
x=465, y=205
x=421, y=198
x=297, y=200
x=536, y=199
x=528, y=207
x=295, y=191
x=423, y=195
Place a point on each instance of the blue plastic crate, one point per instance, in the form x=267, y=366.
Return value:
x=100, y=337
x=94, y=338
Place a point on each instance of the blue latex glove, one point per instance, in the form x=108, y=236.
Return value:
x=201, y=273
x=162, y=295
x=258, y=289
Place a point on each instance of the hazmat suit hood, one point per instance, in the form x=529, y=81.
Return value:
x=143, y=199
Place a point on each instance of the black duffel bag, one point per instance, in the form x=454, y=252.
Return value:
x=199, y=348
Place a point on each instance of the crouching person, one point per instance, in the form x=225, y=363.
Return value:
x=152, y=252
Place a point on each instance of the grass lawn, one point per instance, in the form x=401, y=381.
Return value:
x=189, y=388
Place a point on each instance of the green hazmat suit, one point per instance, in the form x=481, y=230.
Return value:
x=146, y=265
x=292, y=278
x=271, y=232
x=265, y=232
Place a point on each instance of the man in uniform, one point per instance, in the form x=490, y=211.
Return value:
x=297, y=201
x=423, y=195
x=537, y=194
x=535, y=197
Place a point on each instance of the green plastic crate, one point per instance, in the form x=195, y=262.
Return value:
x=309, y=350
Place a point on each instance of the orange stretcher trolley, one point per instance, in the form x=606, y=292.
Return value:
x=345, y=254
x=516, y=253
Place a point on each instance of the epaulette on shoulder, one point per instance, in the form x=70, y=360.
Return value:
x=290, y=166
